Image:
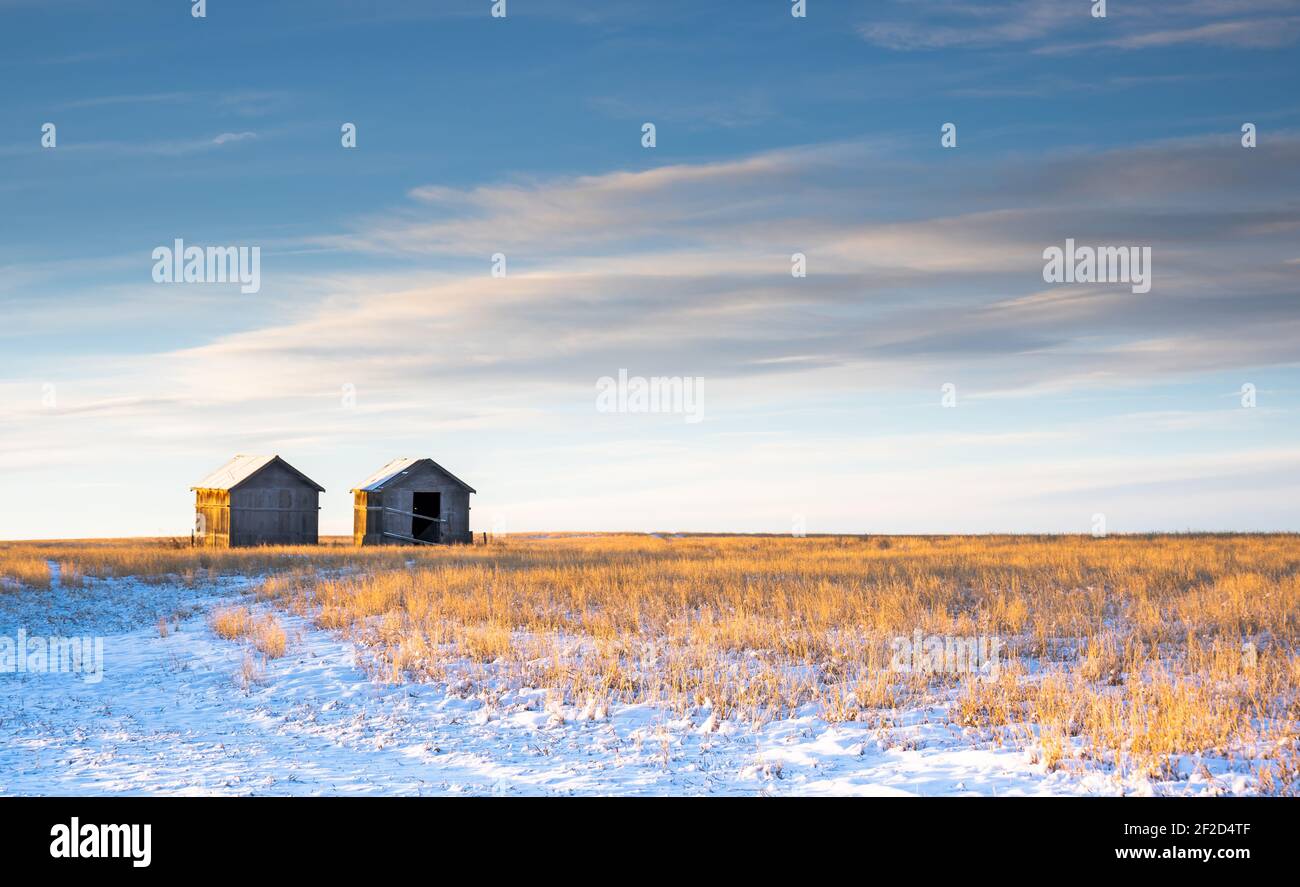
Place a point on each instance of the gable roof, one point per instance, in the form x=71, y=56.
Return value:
x=241, y=468
x=396, y=469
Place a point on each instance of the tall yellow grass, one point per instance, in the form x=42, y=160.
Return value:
x=23, y=568
x=1124, y=651
x=1129, y=652
x=166, y=560
x=264, y=632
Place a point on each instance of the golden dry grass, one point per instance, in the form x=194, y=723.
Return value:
x=269, y=637
x=70, y=575
x=265, y=633
x=165, y=560
x=231, y=623
x=23, y=568
x=1124, y=652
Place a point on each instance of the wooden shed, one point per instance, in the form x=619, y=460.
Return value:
x=256, y=500
x=411, y=501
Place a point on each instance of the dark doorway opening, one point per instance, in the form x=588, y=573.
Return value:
x=427, y=508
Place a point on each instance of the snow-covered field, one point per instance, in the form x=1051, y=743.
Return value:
x=177, y=714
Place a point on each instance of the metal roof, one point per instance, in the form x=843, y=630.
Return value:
x=397, y=468
x=241, y=468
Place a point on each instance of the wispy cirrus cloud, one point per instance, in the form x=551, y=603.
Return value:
x=152, y=98
x=1255, y=33
x=227, y=138
x=1057, y=27
x=146, y=148
x=687, y=267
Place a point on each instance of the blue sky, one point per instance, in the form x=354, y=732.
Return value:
x=822, y=395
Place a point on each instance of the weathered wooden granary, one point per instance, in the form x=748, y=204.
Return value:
x=411, y=501
x=256, y=500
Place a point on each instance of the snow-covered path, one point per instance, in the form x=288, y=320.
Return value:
x=173, y=716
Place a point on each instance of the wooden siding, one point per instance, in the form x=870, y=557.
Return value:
x=385, y=515
x=212, y=518
x=359, y=519
x=273, y=507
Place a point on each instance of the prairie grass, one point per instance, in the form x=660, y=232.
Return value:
x=231, y=623
x=264, y=632
x=70, y=575
x=22, y=568
x=166, y=560
x=252, y=672
x=269, y=637
x=1134, y=654
x=1124, y=652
